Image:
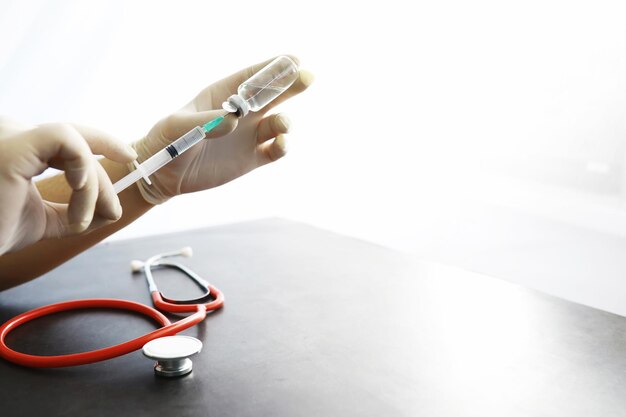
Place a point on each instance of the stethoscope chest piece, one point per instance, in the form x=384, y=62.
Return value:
x=172, y=354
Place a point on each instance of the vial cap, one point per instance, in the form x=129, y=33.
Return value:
x=236, y=104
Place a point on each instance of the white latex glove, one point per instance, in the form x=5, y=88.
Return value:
x=26, y=151
x=257, y=140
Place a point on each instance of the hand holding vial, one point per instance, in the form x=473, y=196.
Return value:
x=249, y=143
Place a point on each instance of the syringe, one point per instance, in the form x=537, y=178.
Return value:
x=165, y=155
x=252, y=95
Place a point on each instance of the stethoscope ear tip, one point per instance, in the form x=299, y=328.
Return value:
x=136, y=265
x=187, y=252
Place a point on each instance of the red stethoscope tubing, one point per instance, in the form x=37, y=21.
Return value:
x=84, y=358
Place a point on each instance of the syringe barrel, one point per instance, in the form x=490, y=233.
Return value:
x=155, y=162
x=180, y=145
x=161, y=158
x=186, y=141
x=150, y=165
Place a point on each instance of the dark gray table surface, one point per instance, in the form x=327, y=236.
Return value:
x=317, y=324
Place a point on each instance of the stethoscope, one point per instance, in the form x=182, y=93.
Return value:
x=171, y=352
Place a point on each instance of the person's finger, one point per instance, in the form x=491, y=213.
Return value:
x=181, y=122
x=108, y=204
x=63, y=143
x=102, y=143
x=57, y=225
x=75, y=217
x=271, y=126
x=83, y=200
x=304, y=81
x=15, y=192
x=60, y=144
x=271, y=151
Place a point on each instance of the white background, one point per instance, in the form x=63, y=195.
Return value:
x=485, y=134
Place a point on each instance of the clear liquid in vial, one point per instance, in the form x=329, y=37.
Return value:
x=258, y=96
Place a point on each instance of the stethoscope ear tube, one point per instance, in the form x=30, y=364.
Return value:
x=172, y=306
x=84, y=358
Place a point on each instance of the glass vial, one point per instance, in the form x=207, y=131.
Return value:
x=263, y=87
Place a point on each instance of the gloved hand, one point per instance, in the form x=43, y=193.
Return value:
x=26, y=151
x=243, y=145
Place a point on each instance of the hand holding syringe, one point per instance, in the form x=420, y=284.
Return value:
x=165, y=155
x=252, y=95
